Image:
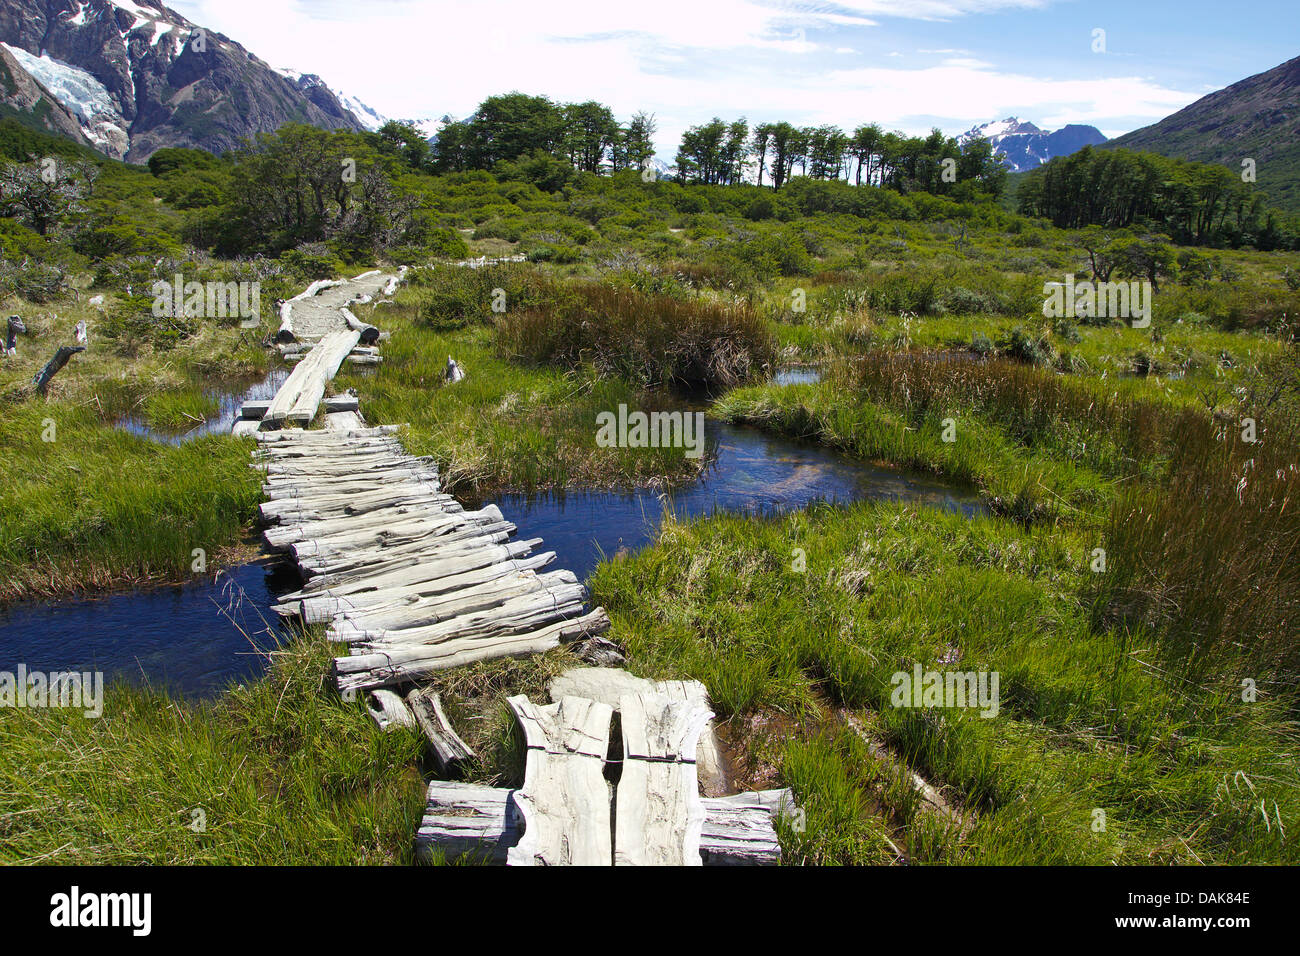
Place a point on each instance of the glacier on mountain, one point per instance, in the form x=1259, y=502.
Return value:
x=84, y=96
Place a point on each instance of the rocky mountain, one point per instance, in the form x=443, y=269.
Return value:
x=1257, y=118
x=366, y=115
x=1024, y=146
x=23, y=97
x=138, y=76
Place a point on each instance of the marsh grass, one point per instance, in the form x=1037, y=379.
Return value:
x=508, y=426
x=276, y=772
x=1209, y=560
x=1086, y=721
x=650, y=339
x=97, y=507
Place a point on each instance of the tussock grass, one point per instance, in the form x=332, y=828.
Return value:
x=1210, y=560
x=279, y=772
x=1034, y=408
x=507, y=427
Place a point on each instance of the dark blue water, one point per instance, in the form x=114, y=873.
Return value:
x=753, y=473
x=199, y=637
x=194, y=638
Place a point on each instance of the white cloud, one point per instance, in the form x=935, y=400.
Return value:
x=684, y=60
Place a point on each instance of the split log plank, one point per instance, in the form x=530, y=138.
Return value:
x=564, y=802
x=659, y=814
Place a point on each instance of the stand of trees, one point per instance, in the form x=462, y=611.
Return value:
x=536, y=134
x=721, y=154
x=1197, y=203
x=515, y=127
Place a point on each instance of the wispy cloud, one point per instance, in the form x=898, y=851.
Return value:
x=684, y=60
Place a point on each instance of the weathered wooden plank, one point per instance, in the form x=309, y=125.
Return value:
x=421, y=515
x=427, y=572
x=659, y=814
x=274, y=435
x=738, y=835
x=473, y=822
x=343, y=421
x=468, y=822
x=306, y=489
x=326, y=607
x=410, y=663
x=320, y=508
x=516, y=615
x=369, y=464
x=316, y=560
x=342, y=403
x=445, y=746
x=300, y=395
x=387, y=522
x=564, y=802
x=340, y=447
x=610, y=684
x=420, y=611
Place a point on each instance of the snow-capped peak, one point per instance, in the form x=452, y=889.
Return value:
x=996, y=129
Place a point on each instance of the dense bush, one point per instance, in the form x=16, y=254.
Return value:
x=648, y=339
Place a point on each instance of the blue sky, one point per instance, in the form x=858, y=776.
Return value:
x=907, y=64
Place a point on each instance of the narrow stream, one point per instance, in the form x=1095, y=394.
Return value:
x=199, y=637
x=753, y=473
x=192, y=638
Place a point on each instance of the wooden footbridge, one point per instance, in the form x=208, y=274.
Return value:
x=411, y=584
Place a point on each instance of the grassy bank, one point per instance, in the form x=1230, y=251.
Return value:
x=1088, y=721
x=87, y=505
x=276, y=772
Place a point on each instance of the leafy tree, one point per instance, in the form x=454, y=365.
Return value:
x=504, y=127
x=589, y=132
x=865, y=146
x=46, y=193
x=303, y=184
x=404, y=139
